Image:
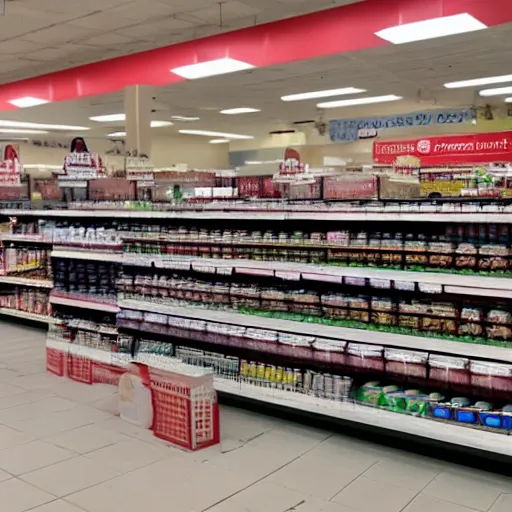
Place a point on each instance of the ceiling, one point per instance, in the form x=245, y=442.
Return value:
x=43, y=36
x=415, y=71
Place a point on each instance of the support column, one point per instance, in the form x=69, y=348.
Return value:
x=137, y=107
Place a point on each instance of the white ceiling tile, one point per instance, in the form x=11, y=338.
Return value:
x=108, y=38
x=230, y=10
x=59, y=34
x=141, y=10
x=100, y=21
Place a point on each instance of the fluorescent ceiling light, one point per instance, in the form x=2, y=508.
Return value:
x=211, y=68
x=110, y=118
x=114, y=118
x=219, y=141
x=27, y=101
x=21, y=130
x=41, y=126
x=117, y=134
x=240, y=110
x=359, y=101
x=508, y=100
x=160, y=124
x=216, y=134
x=185, y=118
x=322, y=94
x=479, y=81
x=496, y=92
x=431, y=29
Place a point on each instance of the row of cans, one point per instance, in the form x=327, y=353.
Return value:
x=322, y=385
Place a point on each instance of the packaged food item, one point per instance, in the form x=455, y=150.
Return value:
x=493, y=257
x=466, y=256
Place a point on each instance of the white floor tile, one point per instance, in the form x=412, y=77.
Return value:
x=57, y=506
x=412, y=476
x=87, y=439
x=28, y=397
x=9, y=390
x=423, y=503
x=18, y=496
x=4, y=475
x=502, y=504
x=31, y=456
x=466, y=488
x=10, y=437
x=367, y=495
x=128, y=455
x=269, y=497
x=35, y=409
x=61, y=479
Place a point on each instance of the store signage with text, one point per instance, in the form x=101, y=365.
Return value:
x=453, y=149
x=81, y=166
x=347, y=130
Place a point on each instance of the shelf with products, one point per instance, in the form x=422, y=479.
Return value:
x=26, y=315
x=330, y=394
x=350, y=305
x=463, y=213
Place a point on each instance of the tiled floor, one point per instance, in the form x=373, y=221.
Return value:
x=62, y=449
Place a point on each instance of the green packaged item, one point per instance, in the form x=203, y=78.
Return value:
x=370, y=394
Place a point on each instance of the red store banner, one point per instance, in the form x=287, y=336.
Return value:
x=451, y=149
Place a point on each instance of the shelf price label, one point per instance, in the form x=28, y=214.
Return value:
x=327, y=278
x=203, y=268
x=255, y=271
x=355, y=281
x=288, y=276
x=406, y=286
x=383, y=284
x=430, y=288
x=224, y=271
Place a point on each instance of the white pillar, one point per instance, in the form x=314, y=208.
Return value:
x=137, y=107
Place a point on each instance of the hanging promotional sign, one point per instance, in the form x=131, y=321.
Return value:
x=80, y=164
x=10, y=167
x=451, y=149
x=347, y=130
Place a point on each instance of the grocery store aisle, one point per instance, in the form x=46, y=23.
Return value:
x=62, y=449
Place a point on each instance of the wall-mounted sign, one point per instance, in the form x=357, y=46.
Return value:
x=451, y=149
x=347, y=130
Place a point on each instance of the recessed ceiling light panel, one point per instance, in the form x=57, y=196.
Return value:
x=160, y=124
x=496, y=92
x=475, y=82
x=185, y=118
x=431, y=29
x=22, y=130
x=219, y=141
x=109, y=118
x=42, y=126
x=359, y=101
x=27, y=101
x=117, y=134
x=240, y=110
x=322, y=94
x=211, y=68
x=207, y=133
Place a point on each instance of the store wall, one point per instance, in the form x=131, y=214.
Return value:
x=166, y=151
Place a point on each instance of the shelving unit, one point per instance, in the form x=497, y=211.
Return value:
x=146, y=319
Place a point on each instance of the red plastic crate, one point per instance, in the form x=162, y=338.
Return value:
x=106, y=374
x=185, y=409
x=80, y=369
x=55, y=361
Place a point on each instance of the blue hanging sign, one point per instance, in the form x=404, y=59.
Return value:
x=347, y=130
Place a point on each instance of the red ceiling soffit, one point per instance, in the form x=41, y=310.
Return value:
x=335, y=31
